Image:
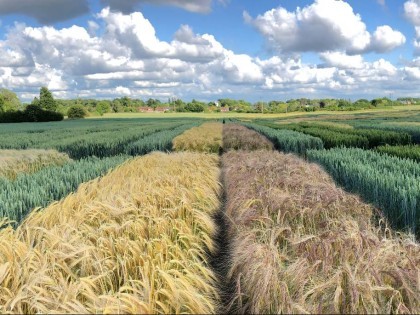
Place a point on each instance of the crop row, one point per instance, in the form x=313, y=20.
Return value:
x=411, y=129
x=14, y=162
x=134, y=241
x=335, y=136
x=159, y=141
x=403, y=151
x=205, y=138
x=237, y=137
x=97, y=139
x=19, y=196
x=288, y=140
x=301, y=245
x=391, y=183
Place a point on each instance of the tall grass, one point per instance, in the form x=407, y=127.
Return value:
x=391, y=183
x=205, y=138
x=302, y=245
x=133, y=241
x=14, y=162
x=237, y=137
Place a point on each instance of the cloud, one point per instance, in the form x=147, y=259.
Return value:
x=386, y=39
x=128, y=6
x=342, y=61
x=120, y=54
x=45, y=11
x=412, y=12
x=381, y=2
x=325, y=25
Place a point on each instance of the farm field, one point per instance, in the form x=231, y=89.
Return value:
x=314, y=213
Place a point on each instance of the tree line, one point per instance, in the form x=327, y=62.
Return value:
x=46, y=108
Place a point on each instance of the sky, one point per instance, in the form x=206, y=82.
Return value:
x=209, y=49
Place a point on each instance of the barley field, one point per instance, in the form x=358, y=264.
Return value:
x=285, y=214
x=15, y=162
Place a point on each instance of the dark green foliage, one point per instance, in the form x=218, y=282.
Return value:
x=46, y=100
x=18, y=197
x=390, y=183
x=412, y=130
x=195, y=107
x=375, y=137
x=288, y=140
x=13, y=117
x=76, y=112
x=32, y=113
x=403, y=151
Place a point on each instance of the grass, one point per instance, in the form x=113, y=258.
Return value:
x=302, y=245
x=205, y=138
x=14, y=162
x=385, y=111
x=134, y=241
x=236, y=137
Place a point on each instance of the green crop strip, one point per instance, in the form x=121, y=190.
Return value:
x=288, y=140
x=391, y=183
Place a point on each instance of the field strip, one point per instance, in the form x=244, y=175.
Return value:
x=299, y=244
x=238, y=137
x=133, y=241
x=14, y=162
x=18, y=197
x=390, y=183
x=205, y=138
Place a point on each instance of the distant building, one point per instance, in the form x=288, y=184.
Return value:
x=145, y=109
x=224, y=109
x=162, y=109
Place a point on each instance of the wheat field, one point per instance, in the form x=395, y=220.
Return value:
x=14, y=162
x=133, y=241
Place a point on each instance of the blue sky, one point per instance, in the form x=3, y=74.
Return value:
x=204, y=49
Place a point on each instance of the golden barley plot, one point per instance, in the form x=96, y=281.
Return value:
x=133, y=241
x=14, y=162
x=205, y=138
x=300, y=244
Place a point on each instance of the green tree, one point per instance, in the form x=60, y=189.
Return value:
x=8, y=101
x=103, y=107
x=46, y=100
x=153, y=103
x=76, y=112
x=35, y=101
x=195, y=106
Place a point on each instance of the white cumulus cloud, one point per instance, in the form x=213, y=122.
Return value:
x=325, y=25
x=121, y=54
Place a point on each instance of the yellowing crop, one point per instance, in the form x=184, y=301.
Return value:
x=205, y=138
x=134, y=241
x=13, y=162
